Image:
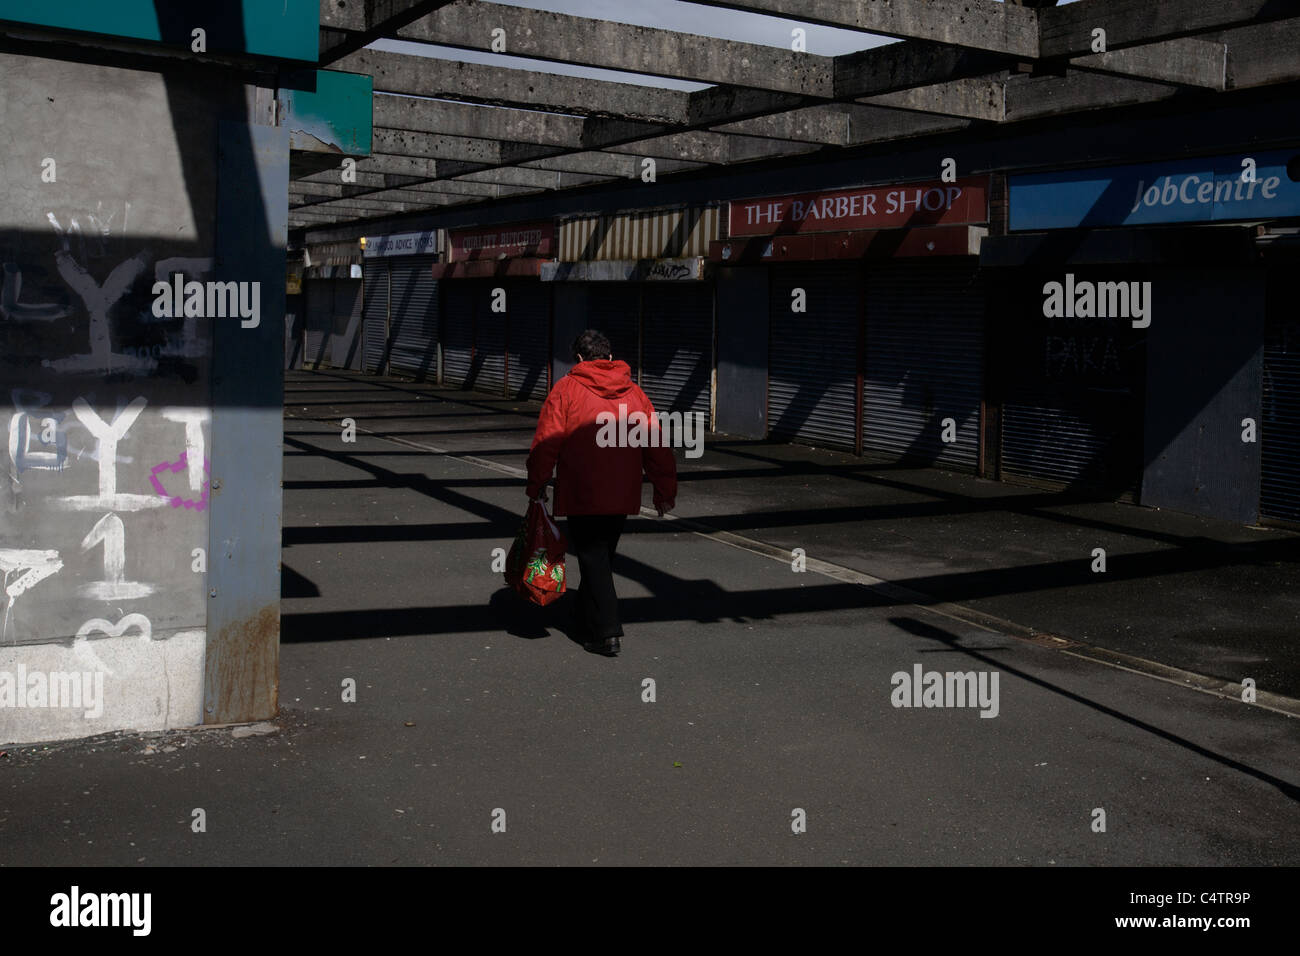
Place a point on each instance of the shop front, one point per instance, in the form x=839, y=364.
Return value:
x=496, y=314
x=401, y=304
x=874, y=319
x=641, y=278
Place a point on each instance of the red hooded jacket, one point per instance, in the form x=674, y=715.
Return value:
x=592, y=480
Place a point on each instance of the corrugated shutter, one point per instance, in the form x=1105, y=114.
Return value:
x=488, y=372
x=529, y=326
x=320, y=319
x=345, y=343
x=457, y=331
x=614, y=308
x=375, y=315
x=1280, y=428
x=812, y=378
x=413, y=317
x=677, y=346
x=1072, y=388
x=1070, y=440
x=924, y=361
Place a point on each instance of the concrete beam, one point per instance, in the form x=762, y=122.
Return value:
x=1262, y=55
x=827, y=125
x=372, y=206
x=845, y=125
x=703, y=146
x=978, y=98
x=1184, y=62
x=349, y=25
x=304, y=188
x=562, y=38
x=1033, y=97
x=901, y=66
x=1067, y=31
x=497, y=86
x=399, y=142
x=501, y=123
x=978, y=24
x=532, y=178
x=462, y=187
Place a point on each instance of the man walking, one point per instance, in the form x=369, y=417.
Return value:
x=597, y=487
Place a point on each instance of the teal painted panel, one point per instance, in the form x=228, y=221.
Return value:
x=335, y=117
x=286, y=29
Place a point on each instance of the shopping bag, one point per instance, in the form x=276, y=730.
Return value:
x=535, y=564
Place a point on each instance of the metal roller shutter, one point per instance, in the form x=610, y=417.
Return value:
x=457, y=331
x=614, y=308
x=413, y=317
x=320, y=320
x=924, y=361
x=488, y=371
x=345, y=343
x=812, y=376
x=1070, y=440
x=677, y=346
x=1280, y=427
x=375, y=315
x=1072, y=389
x=529, y=335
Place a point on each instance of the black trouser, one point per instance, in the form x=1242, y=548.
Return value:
x=594, y=539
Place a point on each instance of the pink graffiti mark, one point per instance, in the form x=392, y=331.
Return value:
x=180, y=465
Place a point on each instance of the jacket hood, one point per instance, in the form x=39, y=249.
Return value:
x=608, y=379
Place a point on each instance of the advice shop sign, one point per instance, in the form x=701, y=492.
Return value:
x=1244, y=186
x=963, y=202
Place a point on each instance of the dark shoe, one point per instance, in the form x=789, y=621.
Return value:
x=609, y=647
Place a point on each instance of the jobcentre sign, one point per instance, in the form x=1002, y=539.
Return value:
x=1216, y=189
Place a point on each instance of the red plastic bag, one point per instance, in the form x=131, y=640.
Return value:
x=535, y=564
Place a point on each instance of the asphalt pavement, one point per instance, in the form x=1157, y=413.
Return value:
x=755, y=714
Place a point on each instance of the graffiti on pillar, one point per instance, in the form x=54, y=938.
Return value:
x=30, y=426
x=179, y=500
x=23, y=569
x=123, y=337
x=110, y=532
x=85, y=649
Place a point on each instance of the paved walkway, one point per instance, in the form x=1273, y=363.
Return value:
x=772, y=689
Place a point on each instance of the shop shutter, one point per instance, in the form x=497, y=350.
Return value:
x=457, y=331
x=1067, y=439
x=375, y=315
x=812, y=375
x=1072, y=389
x=345, y=342
x=488, y=371
x=413, y=317
x=677, y=346
x=529, y=335
x=320, y=320
x=615, y=309
x=1280, y=427
x=924, y=361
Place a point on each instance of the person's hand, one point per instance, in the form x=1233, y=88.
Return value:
x=663, y=507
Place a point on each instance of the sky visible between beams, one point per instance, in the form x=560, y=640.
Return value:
x=662, y=14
